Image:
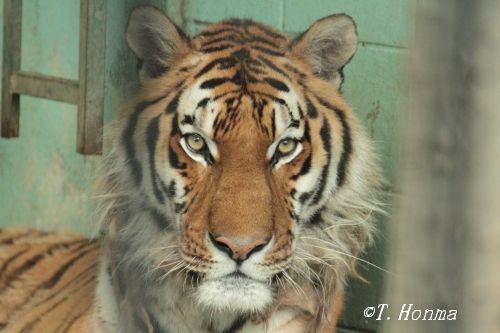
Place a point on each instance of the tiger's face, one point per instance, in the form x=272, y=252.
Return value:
x=238, y=156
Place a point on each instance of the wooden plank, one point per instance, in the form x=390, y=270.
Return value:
x=91, y=76
x=12, y=17
x=44, y=86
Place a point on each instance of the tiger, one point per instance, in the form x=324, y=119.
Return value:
x=238, y=191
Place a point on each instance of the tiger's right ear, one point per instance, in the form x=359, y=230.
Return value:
x=327, y=46
x=155, y=40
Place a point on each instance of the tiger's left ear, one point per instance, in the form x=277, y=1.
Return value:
x=327, y=46
x=155, y=40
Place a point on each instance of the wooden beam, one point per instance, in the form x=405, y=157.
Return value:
x=44, y=86
x=91, y=76
x=12, y=17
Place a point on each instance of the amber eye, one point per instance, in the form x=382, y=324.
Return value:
x=195, y=142
x=286, y=146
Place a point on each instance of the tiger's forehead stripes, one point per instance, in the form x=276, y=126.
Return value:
x=217, y=117
x=233, y=32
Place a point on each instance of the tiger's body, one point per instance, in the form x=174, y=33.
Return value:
x=47, y=281
x=239, y=188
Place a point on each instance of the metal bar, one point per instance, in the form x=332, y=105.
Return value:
x=44, y=86
x=12, y=17
x=91, y=76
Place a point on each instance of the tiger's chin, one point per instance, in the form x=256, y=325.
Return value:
x=234, y=293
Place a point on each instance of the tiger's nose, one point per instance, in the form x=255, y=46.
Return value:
x=235, y=251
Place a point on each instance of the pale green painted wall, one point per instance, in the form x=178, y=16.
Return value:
x=44, y=183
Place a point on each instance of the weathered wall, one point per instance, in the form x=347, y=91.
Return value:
x=44, y=183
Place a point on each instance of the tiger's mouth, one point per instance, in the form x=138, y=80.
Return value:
x=238, y=274
x=235, y=291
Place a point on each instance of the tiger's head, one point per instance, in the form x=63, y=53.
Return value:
x=239, y=170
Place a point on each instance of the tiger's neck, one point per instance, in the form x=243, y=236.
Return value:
x=129, y=300
x=131, y=306
x=127, y=303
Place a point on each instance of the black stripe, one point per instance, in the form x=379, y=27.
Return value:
x=160, y=219
x=301, y=112
x=241, y=54
x=273, y=66
x=236, y=325
x=228, y=92
x=154, y=68
x=156, y=325
x=63, y=269
x=152, y=134
x=312, y=112
x=224, y=62
x=171, y=189
x=189, y=119
x=203, y=103
x=10, y=241
x=277, y=84
x=232, y=38
x=346, y=142
x=307, y=132
x=325, y=137
x=128, y=139
x=65, y=327
x=268, y=42
x=68, y=283
x=30, y=263
x=268, y=51
x=273, y=123
x=32, y=324
x=294, y=123
x=304, y=197
x=172, y=155
x=57, y=275
x=269, y=32
x=216, y=48
x=306, y=166
x=316, y=217
x=11, y=259
x=217, y=32
x=210, y=84
x=174, y=104
x=281, y=101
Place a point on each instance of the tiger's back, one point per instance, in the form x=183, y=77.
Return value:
x=47, y=281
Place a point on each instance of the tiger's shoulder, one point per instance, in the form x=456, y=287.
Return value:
x=47, y=281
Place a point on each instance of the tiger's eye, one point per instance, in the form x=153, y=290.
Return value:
x=286, y=146
x=195, y=142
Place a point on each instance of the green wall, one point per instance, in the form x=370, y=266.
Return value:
x=46, y=184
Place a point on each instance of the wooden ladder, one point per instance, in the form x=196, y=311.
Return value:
x=87, y=92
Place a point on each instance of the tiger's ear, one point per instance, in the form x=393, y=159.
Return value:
x=155, y=40
x=327, y=46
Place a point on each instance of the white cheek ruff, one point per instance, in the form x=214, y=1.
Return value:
x=235, y=294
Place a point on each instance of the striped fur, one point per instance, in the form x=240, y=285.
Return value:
x=47, y=281
x=235, y=237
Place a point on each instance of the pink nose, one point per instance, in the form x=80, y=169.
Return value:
x=237, y=252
